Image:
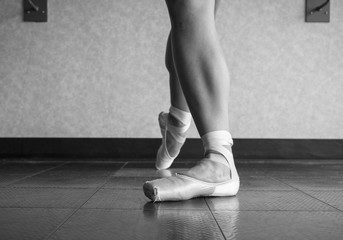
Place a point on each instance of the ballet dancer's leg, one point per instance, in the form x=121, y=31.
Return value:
x=177, y=98
x=174, y=124
x=170, y=147
x=200, y=64
x=201, y=67
x=202, y=72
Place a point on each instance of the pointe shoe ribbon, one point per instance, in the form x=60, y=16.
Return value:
x=163, y=158
x=215, y=142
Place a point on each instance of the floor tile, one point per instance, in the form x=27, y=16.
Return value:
x=30, y=223
x=280, y=225
x=334, y=198
x=113, y=224
x=198, y=204
x=127, y=182
x=117, y=199
x=67, y=180
x=315, y=183
x=6, y=179
x=90, y=168
x=147, y=172
x=25, y=168
x=332, y=170
x=136, y=172
x=262, y=183
x=72, y=175
x=44, y=197
x=11, y=172
x=133, y=199
x=249, y=169
x=268, y=200
x=300, y=170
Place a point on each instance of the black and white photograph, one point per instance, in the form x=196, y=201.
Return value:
x=171, y=119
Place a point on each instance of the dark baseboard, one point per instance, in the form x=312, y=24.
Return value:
x=145, y=148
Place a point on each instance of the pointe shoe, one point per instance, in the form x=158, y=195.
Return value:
x=182, y=187
x=163, y=158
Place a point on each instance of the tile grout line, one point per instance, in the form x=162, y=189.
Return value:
x=34, y=174
x=337, y=209
x=215, y=219
x=78, y=208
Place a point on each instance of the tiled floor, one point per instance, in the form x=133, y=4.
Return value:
x=104, y=200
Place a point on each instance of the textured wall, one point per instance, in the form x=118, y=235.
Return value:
x=95, y=69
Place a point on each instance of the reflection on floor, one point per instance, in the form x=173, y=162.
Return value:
x=104, y=200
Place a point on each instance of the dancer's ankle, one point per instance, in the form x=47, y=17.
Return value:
x=174, y=121
x=179, y=118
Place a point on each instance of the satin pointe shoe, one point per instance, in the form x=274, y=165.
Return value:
x=182, y=187
x=163, y=158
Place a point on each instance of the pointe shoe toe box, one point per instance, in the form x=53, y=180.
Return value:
x=182, y=187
